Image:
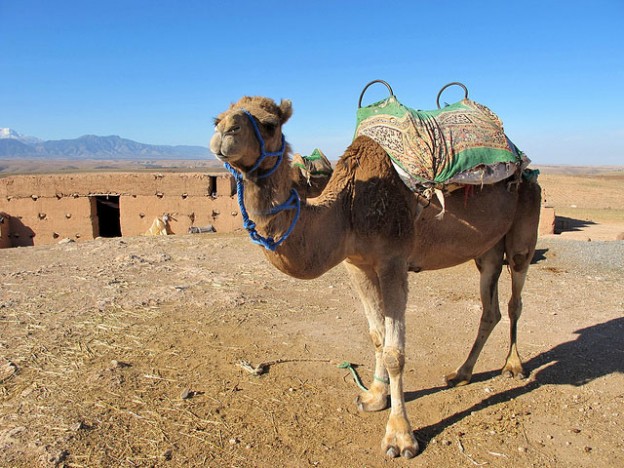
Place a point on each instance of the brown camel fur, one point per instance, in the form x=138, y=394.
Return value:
x=369, y=220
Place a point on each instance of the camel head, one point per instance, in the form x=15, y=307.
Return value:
x=250, y=127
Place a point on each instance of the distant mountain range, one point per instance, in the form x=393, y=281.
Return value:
x=16, y=146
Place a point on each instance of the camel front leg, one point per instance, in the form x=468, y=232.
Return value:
x=399, y=439
x=366, y=283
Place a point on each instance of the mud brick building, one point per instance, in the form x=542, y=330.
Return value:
x=43, y=209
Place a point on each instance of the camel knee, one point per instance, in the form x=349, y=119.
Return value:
x=490, y=316
x=394, y=360
x=520, y=261
x=495, y=317
x=377, y=337
x=514, y=308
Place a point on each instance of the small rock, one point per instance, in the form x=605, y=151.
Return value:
x=187, y=394
x=522, y=449
x=115, y=364
x=587, y=449
x=446, y=442
x=234, y=441
x=168, y=454
x=78, y=426
x=66, y=240
x=7, y=370
x=59, y=457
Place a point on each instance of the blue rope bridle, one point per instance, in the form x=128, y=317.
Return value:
x=293, y=202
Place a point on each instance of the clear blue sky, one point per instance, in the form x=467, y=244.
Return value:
x=159, y=71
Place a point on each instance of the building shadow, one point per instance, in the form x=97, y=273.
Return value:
x=564, y=224
x=596, y=352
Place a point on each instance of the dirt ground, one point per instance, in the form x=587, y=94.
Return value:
x=126, y=352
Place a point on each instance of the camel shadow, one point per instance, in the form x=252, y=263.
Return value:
x=564, y=224
x=596, y=352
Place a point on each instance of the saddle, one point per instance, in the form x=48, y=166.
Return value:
x=438, y=150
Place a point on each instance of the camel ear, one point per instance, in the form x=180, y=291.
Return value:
x=287, y=110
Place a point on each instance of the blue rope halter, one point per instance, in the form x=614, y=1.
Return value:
x=293, y=202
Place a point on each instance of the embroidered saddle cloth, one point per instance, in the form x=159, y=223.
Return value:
x=462, y=143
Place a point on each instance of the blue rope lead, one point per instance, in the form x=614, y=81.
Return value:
x=263, y=154
x=293, y=202
x=269, y=243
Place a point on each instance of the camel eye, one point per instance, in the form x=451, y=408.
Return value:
x=216, y=121
x=270, y=128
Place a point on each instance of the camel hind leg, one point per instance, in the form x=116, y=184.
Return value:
x=513, y=363
x=490, y=266
x=520, y=244
x=519, y=260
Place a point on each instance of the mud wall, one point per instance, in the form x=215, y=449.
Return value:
x=547, y=221
x=139, y=211
x=42, y=209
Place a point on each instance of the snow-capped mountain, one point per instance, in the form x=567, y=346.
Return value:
x=9, y=133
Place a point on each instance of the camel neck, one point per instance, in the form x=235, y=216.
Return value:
x=263, y=206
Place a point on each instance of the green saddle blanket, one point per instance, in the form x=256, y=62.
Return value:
x=463, y=143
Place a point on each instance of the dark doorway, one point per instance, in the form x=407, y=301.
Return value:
x=107, y=209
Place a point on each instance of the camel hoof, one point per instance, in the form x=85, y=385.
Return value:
x=360, y=404
x=454, y=380
x=392, y=452
x=371, y=407
x=518, y=374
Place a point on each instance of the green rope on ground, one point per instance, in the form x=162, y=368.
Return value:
x=356, y=377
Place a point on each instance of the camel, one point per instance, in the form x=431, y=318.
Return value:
x=367, y=219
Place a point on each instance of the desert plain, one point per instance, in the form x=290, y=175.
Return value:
x=128, y=351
